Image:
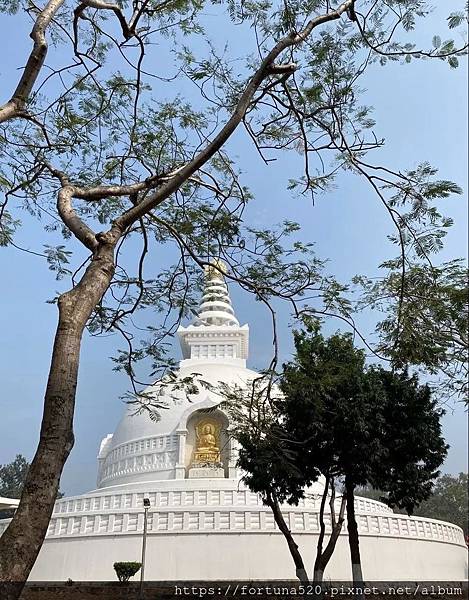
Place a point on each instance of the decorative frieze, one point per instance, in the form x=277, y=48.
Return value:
x=158, y=453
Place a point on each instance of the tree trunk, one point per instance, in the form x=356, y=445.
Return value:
x=323, y=557
x=292, y=546
x=331, y=544
x=353, y=533
x=22, y=540
x=318, y=573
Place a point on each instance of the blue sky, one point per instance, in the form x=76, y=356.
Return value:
x=421, y=111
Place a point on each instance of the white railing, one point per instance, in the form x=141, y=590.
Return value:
x=236, y=519
x=261, y=520
x=199, y=498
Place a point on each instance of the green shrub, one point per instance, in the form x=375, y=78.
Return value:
x=126, y=570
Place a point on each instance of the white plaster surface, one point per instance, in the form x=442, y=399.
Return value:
x=213, y=556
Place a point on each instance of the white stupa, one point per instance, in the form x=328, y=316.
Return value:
x=203, y=523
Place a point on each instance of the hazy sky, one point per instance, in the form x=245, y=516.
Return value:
x=421, y=111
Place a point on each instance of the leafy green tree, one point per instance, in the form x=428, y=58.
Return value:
x=330, y=409
x=448, y=501
x=368, y=426
x=115, y=156
x=12, y=477
x=360, y=425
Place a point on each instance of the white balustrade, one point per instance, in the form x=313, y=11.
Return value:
x=227, y=511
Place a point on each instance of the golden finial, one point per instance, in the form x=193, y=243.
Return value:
x=216, y=269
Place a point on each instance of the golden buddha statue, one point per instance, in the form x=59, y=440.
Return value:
x=207, y=450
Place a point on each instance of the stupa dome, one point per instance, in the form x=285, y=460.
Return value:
x=127, y=456
x=215, y=349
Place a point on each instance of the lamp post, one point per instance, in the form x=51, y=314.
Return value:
x=146, y=506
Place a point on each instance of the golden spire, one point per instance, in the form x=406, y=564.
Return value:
x=216, y=269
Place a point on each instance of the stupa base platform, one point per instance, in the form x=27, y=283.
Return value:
x=216, y=529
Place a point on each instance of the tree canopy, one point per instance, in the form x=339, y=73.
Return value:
x=366, y=423
x=355, y=424
x=448, y=501
x=136, y=107
x=429, y=328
